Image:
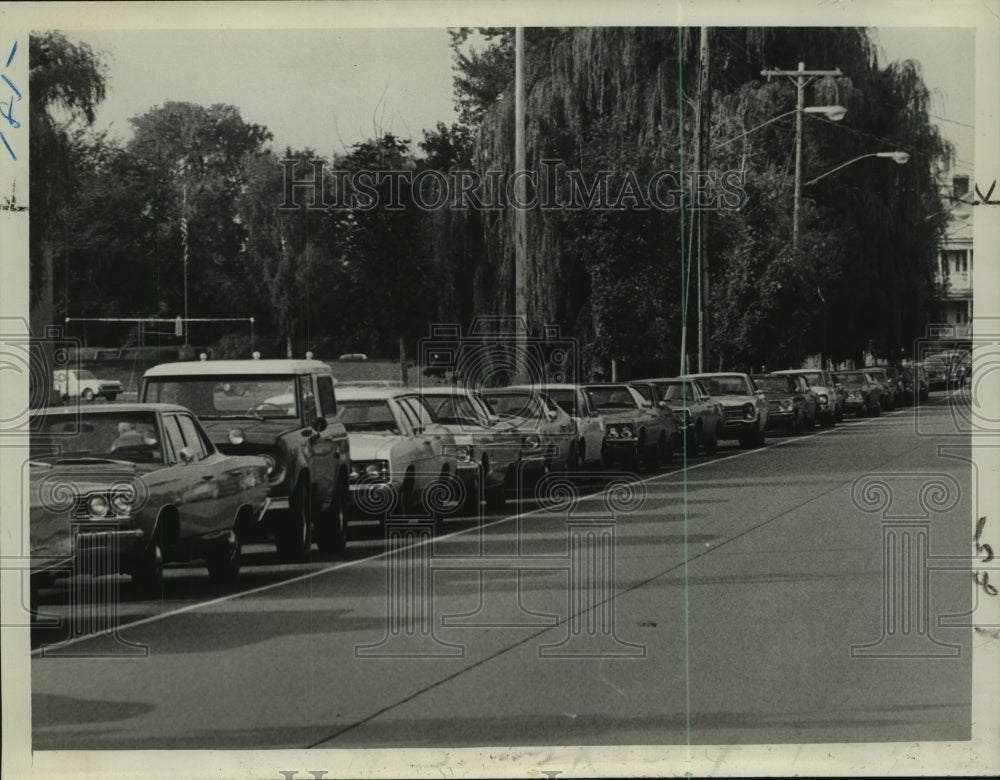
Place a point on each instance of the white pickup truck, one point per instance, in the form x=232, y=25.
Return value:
x=80, y=383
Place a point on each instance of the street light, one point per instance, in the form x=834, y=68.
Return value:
x=900, y=158
x=833, y=113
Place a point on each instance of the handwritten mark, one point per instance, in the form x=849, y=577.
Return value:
x=981, y=578
x=7, y=102
x=985, y=199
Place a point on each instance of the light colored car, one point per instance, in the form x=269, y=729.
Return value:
x=81, y=383
x=634, y=432
x=743, y=406
x=548, y=434
x=698, y=416
x=285, y=411
x=488, y=448
x=590, y=434
x=791, y=407
x=145, y=478
x=401, y=458
x=831, y=398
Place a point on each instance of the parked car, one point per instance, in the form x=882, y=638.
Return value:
x=788, y=406
x=487, y=449
x=286, y=412
x=573, y=400
x=653, y=394
x=894, y=377
x=743, y=406
x=81, y=383
x=134, y=486
x=400, y=455
x=937, y=368
x=863, y=393
x=634, y=434
x=830, y=410
x=697, y=415
x=887, y=400
x=548, y=434
x=913, y=380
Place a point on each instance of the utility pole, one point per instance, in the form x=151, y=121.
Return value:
x=801, y=77
x=520, y=237
x=702, y=133
x=184, y=243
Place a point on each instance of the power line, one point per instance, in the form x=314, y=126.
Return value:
x=953, y=121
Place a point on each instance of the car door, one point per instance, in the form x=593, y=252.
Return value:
x=590, y=427
x=327, y=445
x=430, y=456
x=201, y=483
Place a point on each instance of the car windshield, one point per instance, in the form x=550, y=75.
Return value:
x=453, y=410
x=85, y=374
x=612, y=397
x=373, y=416
x=515, y=405
x=852, y=380
x=565, y=400
x=221, y=397
x=772, y=384
x=727, y=385
x=678, y=391
x=129, y=436
x=814, y=378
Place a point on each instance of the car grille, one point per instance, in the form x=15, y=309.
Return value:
x=733, y=412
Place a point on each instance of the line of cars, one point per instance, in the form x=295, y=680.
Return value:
x=217, y=454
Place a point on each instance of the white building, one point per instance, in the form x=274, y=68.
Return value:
x=955, y=258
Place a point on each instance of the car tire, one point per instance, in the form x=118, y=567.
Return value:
x=691, y=442
x=331, y=533
x=293, y=539
x=224, y=561
x=470, y=501
x=759, y=437
x=712, y=443
x=876, y=411
x=87, y=394
x=582, y=453
x=112, y=397
x=147, y=574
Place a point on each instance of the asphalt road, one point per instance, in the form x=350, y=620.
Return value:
x=716, y=602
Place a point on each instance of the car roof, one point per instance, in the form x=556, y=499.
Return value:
x=515, y=389
x=785, y=371
x=110, y=408
x=541, y=387
x=442, y=391
x=713, y=373
x=372, y=392
x=238, y=367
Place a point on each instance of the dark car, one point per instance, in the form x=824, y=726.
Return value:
x=124, y=488
x=697, y=415
x=742, y=404
x=862, y=393
x=887, y=402
x=787, y=406
x=285, y=411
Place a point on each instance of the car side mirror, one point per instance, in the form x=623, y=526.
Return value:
x=647, y=404
x=663, y=404
x=551, y=415
x=187, y=454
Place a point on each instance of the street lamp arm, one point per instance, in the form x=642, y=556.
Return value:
x=898, y=157
x=755, y=129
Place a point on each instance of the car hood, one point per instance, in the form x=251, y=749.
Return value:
x=372, y=446
x=620, y=417
x=254, y=431
x=735, y=400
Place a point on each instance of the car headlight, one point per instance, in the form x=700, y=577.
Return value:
x=682, y=416
x=121, y=503
x=370, y=471
x=97, y=506
x=628, y=432
x=612, y=431
x=531, y=441
x=463, y=454
x=824, y=400
x=786, y=405
x=853, y=396
x=748, y=411
x=236, y=436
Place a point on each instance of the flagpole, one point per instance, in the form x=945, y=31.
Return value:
x=184, y=243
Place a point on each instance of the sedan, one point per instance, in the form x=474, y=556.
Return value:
x=487, y=449
x=863, y=394
x=634, y=433
x=401, y=457
x=829, y=396
x=788, y=406
x=697, y=415
x=548, y=434
x=743, y=405
x=139, y=485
